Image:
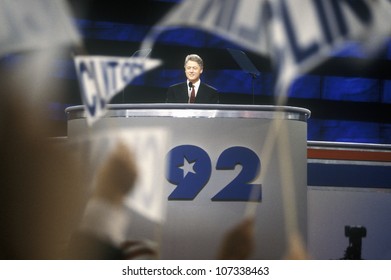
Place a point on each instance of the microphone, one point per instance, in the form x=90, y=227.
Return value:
x=190, y=85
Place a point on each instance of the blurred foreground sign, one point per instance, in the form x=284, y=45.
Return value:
x=102, y=77
x=297, y=35
x=26, y=25
x=148, y=146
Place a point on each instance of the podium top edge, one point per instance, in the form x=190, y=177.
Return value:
x=195, y=110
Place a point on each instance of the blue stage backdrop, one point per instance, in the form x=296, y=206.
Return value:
x=349, y=95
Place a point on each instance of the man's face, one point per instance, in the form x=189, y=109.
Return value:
x=193, y=71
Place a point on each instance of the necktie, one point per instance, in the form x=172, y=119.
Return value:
x=192, y=95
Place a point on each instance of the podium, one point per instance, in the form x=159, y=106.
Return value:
x=216, y=167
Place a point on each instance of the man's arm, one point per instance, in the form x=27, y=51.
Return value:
x=210, y=95
x=215, y=97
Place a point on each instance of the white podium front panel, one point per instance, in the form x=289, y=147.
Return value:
x=217, y=165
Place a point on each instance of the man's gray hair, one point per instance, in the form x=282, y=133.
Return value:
x=195, y=58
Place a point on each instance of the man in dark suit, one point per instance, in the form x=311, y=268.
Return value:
x=193, y=90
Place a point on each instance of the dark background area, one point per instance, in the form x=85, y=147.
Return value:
x=349, y=95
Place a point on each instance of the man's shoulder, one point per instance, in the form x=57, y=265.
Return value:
x=208, y=86
x=178, y=84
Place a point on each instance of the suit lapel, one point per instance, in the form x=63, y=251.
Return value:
x=200, y=92
x=184, y=93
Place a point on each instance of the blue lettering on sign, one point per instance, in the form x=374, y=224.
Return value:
x=240, y=188
x=300, y=53
x=109, y=77
x=129, y=70
x=226, y=10
x=253, y=34
x=88, y=73
x=360, y=9
x=324, y=22
x=330, y=14
x=189, y=168
x=113, y=75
